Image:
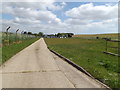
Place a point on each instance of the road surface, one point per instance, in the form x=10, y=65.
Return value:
x=37, y=67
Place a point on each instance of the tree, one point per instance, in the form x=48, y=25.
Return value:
x=65, y=34
x=35, y=34
x=70, y=34
x=59, y=35
x=40, y=34
x=29, y=33
x=25, y=32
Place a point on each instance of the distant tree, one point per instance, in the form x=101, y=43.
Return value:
x=59, y=35
x=29, y=33
x=70, y=34
x=35, y=34
x=40, y=34
x=25, y=33
x=65, y=34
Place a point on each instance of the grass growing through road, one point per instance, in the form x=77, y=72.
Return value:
x=10, y=50
x=89, y=55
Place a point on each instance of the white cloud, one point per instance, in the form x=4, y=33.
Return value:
x=22, y=11
x=92, y=12
x=72, y=21
x=107, y=26
x=31, y=16
x=26, y=21
x=38, y=17
x=88, y=18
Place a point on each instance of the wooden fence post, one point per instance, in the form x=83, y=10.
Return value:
x=106, y=45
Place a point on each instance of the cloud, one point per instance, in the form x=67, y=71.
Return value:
x=55, y=6
x=31, y=16
x=107, y=26
x=46, y=5
x=88, y=18
x=30, y=11
x=92, y=12
x=39, y=17
x=72, y=21
x=26, y=21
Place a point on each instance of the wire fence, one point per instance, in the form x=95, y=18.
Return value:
x=9, y=38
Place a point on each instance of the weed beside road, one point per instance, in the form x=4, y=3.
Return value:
x=88, y=53
x=10, y=50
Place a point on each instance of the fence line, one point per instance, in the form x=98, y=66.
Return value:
x=106, y=49
x=14, y=37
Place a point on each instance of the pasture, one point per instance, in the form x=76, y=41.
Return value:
x=112, y=36
x=88, y=53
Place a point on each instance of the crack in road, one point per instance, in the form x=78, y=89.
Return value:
x=31, y=71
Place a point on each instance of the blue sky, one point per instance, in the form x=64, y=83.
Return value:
x=55, y=17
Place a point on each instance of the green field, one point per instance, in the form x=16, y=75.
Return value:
x=88, y=53
x=114, y=36
x=10, y=50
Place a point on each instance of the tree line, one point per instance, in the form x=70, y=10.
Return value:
x=41, y=34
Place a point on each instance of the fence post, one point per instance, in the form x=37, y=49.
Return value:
x=16, y=34
x=7, y=34
x=106, y=45
x=22, y=35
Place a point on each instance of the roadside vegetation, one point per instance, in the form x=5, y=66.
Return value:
x=88, y=53
x=13, y=42
x=9, y=51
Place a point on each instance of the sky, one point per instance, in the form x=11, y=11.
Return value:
x=60, y=17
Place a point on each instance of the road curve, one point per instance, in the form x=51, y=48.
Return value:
x=37, y=67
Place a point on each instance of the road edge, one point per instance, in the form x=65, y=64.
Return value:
x=2, y=64
x=79, y=68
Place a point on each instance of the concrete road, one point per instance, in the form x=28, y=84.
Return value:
x=37, y=67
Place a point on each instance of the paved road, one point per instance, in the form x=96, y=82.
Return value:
x=37, y=67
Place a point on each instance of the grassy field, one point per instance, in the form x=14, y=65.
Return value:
x=112, y=36
x=10, y=50
x=88, y=53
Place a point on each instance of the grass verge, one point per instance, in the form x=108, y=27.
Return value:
x=89, y=55
x=10, y=50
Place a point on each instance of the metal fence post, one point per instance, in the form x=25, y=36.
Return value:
x=16, y=34
x=7, y=34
